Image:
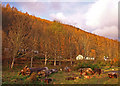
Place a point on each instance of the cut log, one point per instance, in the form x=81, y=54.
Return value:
x=29, y=71
x=54, y=70
x=85, y=71
x=38, y=69
x=112, y=75
x=85, y=76
x=41, y=73
x=97, y=70
x=67, y=69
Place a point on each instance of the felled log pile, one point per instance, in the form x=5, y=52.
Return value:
x=67, y=69
x=34, y=77
x=88, y=72
x=85, y=71
x=28, y=71
x=112, y=75
x=35, y=72
x=25, y=71
x=42, y=72
x=97, y=70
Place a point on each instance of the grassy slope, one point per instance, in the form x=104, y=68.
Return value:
x=12, y=77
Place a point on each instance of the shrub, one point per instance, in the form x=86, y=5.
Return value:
x=87, y=65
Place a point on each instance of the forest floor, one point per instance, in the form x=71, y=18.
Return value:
x=11, y=77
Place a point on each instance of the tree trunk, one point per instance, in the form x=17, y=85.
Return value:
x=59, y=62
x=13, y=62
x=55, y=61
x=71, y=63
x=71, y=60
x=31, y=61
x=45, y=59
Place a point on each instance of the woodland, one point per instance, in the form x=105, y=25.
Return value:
x=25, y=35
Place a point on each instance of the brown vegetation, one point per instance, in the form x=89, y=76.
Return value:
x=23, y=34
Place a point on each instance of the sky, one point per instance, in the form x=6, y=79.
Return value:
x=99, y=17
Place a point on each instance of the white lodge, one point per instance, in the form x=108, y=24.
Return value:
x=80, y=57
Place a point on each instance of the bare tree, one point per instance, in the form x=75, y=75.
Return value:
x=16, y=37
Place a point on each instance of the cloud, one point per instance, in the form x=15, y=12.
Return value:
x=58, y=16
x=75, y=19
x=47, y=0
x=19, y=0
x=33, y=8
x=100, y=17
x=103, y=17
x=39, y=9
x=110, y=31
x=72, y=16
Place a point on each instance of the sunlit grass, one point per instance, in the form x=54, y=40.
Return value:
x=12, y=77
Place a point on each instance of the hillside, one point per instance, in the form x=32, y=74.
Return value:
x=50, y=38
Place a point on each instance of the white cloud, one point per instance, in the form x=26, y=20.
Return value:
x=33, y=8
x=100, y=18
x=111, y=32
x=58, y=16
x=103, y=16
x=48, y=0
x=75, y=19
x=19, y=0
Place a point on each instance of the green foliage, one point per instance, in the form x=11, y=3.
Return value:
x=11, y=77
x=87, y=65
